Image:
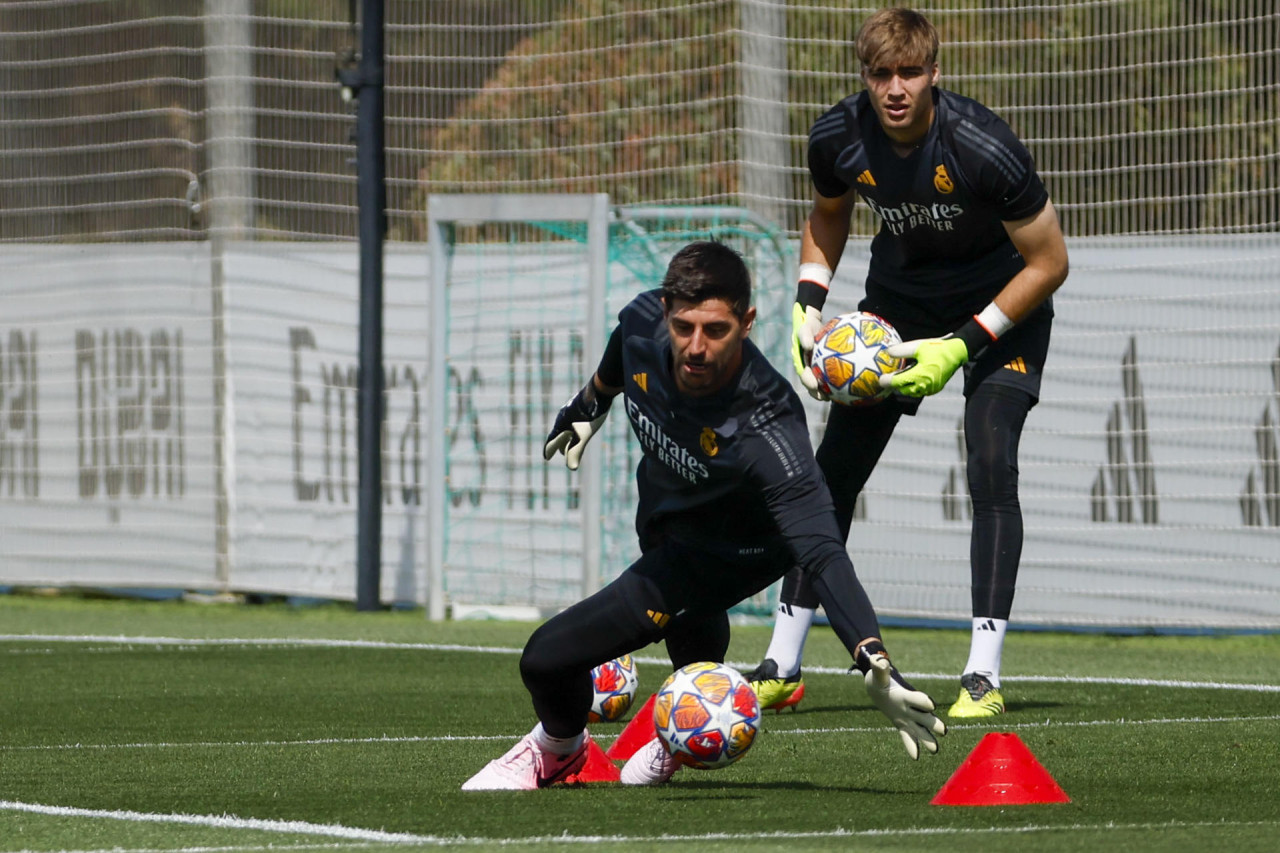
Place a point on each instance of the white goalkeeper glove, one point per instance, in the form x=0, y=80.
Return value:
x=581, y=418
x=910, y=710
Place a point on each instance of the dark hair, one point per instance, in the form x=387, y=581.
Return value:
x=893, y=35
x=708, y=270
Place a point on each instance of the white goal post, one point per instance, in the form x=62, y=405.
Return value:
x=444, y=212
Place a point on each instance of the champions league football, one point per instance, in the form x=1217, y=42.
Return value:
x=706, y=715
x=614, y=686
x=850, y=354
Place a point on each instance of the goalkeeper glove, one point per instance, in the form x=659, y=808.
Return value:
x=910, y=710
x=580, y=419
x=806, y=322
x=937, y=360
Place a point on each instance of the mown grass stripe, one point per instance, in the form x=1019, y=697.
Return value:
x=378, y=836
x=606, y=738
x=270, y=642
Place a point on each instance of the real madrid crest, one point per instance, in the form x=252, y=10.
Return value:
x=942, y=181
x=708, y=441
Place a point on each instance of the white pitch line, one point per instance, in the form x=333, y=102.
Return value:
x=223, y=848
x=455, y=647
x=292, y=827
x=288, y=642
x=328, y=741
x=606, y=738
x=1046, y=724
x=790, y=836
x=1081, y=679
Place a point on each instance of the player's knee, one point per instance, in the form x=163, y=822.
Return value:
x=542, y=659
x=992, y=473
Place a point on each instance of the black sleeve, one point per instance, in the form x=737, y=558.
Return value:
x=610, y=369
x=1004, y=171
x=785, y=469
x=847, y=605
x=826, y=139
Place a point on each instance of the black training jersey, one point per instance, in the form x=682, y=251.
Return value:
x=730, y=471
x=941, y=208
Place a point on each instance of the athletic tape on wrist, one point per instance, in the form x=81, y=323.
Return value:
x=994, y=321
x=862, y=660
x=819, y=274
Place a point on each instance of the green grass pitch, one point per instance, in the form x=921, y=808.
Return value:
x=130, y=726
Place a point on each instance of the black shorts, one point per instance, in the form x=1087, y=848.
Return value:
x=675, y=592
x=710, y=575
x=1016, y=360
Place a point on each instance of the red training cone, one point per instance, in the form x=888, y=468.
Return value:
x=597, y=769
x=1000, y=771
x=636, y=734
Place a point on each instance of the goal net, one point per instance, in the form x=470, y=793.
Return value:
x=524, y=289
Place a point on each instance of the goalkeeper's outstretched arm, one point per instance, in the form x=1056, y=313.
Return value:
x=853, y=619
x=813, y=536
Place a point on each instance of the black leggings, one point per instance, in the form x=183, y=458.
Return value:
x=994, y=416
x=678, y=594
x=672, y=593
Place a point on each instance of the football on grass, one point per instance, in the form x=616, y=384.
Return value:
x=614, y=683
x=850, y=354
x=706, y=715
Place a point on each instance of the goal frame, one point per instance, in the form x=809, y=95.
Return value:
x=443, y=211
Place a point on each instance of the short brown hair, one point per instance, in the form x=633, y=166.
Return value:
x=891, y=35
x=708, y=270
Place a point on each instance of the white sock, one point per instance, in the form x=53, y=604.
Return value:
x=985, y=646
x=556, y=745
x=790, y=629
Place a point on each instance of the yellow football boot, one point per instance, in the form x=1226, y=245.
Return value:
x=978, y=698
x=773, y=691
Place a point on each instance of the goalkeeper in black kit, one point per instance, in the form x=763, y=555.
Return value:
x=968, y=254
x=730, y=497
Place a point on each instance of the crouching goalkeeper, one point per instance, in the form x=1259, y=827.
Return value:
x=729, y=497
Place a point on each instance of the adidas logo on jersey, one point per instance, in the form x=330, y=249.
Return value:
x=866, y=178
x=1017, y=365
x=641, y=379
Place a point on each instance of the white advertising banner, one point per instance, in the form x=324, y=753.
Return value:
x=292, y=365
x=106, y=440
x=1149, y=471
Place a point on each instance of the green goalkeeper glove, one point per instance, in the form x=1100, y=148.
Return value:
x=937, y=359
x=581, y=418
x=806, y=322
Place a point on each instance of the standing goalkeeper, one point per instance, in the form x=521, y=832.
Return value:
x=968, y=254
x=730, y=497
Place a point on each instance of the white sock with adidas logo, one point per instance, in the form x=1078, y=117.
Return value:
x=786, y=646
x=985, y=646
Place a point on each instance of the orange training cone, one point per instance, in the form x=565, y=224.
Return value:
x=598, y=767
x=1000, y=771
x=637, y=733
